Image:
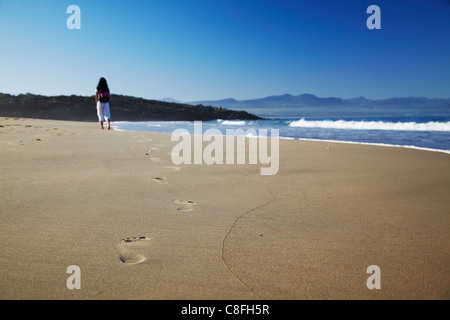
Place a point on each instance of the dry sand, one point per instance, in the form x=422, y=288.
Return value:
x=140, y=227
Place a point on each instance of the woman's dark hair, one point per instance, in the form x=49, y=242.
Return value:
x=102, y=85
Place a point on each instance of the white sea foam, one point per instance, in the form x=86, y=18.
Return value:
x=232, y=122
x=118, y=129
x=372, y=125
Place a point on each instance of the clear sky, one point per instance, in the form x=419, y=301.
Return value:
x=214, y=49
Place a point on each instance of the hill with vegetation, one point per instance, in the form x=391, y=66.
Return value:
x=123, y=108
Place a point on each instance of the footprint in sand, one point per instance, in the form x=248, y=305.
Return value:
x=131, y=249
x=187, y=205
x=160, y=180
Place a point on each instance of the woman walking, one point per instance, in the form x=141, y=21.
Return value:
x=102, y=97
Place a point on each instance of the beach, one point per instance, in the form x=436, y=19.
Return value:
x=140, y=227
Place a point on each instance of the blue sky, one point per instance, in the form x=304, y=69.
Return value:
x=207, y=49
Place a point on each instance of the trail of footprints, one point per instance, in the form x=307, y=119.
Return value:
x=184, y=205
x=132, y=250
x=17, y=128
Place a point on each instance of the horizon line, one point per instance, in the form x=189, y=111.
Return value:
x=231, y=98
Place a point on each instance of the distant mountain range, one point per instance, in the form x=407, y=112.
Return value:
x=137, y=109
x=311, y=105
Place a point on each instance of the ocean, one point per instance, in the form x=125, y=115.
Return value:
x=420, y=132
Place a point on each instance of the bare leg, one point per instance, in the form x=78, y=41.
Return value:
x=109, y=124
x=101, y=124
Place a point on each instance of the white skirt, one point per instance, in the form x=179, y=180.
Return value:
x=103, y=111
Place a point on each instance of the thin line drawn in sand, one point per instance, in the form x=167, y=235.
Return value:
x=129, y=250
x=156, y=159
x=160, y=180
x=224, y=260
x=187, y=205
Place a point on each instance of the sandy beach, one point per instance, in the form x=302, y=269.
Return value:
x=140, y=227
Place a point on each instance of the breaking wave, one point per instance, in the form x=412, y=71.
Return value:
x=371, y=125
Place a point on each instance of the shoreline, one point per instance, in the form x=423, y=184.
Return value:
x=283, y=138
x=379, y=145
x=140, y=227
x=335, y=141
x=312, y=139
